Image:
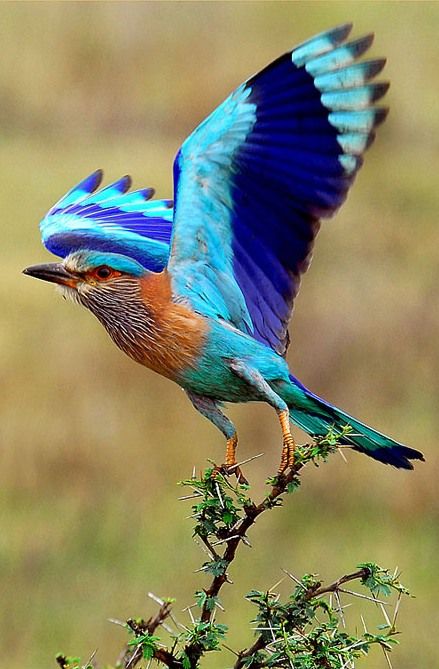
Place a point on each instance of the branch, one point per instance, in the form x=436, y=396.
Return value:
x=232, y=534
x=305, y=630
x=144, y=630
x=312, y=592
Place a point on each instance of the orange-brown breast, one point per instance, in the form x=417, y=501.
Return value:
x=177, y=332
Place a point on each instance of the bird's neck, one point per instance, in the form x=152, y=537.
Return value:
x=155, y=331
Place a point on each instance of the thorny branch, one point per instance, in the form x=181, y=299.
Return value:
x=231, y=537
x=237, y=533
x=316, y=590
x=141, y=628
x=286, y=632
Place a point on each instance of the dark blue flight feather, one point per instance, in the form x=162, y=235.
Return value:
x=112, y=219
x=253, y=180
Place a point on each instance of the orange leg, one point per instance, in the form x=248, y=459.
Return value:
x=231, y=446
x=211, y=410
x=289, y=445
x=255, y=379
x=230, y=466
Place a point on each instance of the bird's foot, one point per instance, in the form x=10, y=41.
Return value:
x=230, y=470
x=287, y=457
x=231, y=467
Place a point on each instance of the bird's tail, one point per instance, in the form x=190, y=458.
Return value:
x=316, y=416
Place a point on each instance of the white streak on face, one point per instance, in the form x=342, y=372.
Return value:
x=68, y=293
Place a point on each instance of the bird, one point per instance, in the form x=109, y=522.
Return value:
x=200, y=288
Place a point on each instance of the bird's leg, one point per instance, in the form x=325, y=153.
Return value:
x=210, y=409
x=231, y=446
x=289, y=445
x=257, y=381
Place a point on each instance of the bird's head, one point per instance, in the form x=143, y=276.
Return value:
x=105, y=283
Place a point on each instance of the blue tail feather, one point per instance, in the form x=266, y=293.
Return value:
x=316, y=416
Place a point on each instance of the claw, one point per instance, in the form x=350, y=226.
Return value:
x=230, y=466
x=230, y=470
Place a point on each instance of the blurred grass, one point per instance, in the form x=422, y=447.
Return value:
x=92, y=444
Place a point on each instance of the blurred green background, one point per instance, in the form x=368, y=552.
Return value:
x=91, y=444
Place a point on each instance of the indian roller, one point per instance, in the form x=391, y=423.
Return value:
x=201, y=288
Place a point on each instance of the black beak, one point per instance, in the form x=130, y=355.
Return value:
x=54, y=272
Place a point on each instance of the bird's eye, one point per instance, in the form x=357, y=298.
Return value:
x=103, y=272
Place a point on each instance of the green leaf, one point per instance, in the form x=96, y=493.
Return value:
x=185, y=661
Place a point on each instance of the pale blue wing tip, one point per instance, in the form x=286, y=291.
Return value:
x=362, y=121
x=320, y=44
x=356, y=74
x=345, y=89
x=354, y=98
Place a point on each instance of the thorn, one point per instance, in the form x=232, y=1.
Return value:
x=132, y=658
x=272, y=631
x=386, y=617
x=90, y=659
x=183, y=627
x=245, y=462
x=340, y=608
x=395, y=614
x=116, y=622
x=361, y=596
x=230, y=649
x=343, y=457
x=386, y=655
x=206, y=549
x=194, y=472
x=246, y=541
x=175, y=621
x=222, y=541
x=156, y=599
x=294, y=578
x=364, y=624
x=218, y=491
x=188, y=609
x=276, y=584
x=195, y=494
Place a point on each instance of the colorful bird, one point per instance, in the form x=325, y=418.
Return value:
x=201, y=290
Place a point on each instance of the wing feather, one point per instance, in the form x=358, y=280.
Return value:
x=253, y=180
x=112, y=219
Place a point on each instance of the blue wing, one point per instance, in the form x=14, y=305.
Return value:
x=112, y=219
x=253, y=180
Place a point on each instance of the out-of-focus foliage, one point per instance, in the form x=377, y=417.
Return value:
x=91, y=444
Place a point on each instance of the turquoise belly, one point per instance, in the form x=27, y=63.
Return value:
x=212, y=375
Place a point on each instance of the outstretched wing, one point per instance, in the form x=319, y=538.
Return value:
x=253, y=180
x=112, y=219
